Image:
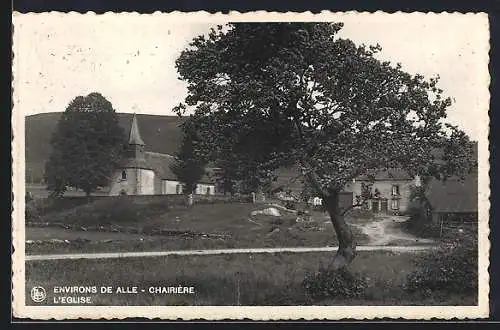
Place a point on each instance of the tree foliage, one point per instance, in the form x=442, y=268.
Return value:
x=86, y=146
x=187, y=167
x=277, y=94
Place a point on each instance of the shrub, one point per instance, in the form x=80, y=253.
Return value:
x=31, y=212
x=112, y=211
x=291, y=205
x=329, y=283
x=51, y=205
x=359, y=213
x=450, y=269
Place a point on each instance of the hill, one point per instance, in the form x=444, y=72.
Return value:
x=160, y=133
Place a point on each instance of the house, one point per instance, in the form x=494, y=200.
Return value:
x=144, y=172
x=289, y=186
x=391, y=189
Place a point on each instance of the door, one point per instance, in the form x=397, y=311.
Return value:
x=375, y=205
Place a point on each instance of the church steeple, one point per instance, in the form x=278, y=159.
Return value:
x=135, y=136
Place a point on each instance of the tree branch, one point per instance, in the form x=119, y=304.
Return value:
x=350, y=207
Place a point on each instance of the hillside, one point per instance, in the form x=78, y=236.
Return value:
x=160, y=133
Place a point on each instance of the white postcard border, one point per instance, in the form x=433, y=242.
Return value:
x=20, y=310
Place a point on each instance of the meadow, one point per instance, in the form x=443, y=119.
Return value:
x=244, y=279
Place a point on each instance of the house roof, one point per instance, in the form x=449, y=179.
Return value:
x=454, y=195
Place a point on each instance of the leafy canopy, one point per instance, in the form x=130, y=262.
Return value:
x=276, y=94
x=87, y=146
x=187, y=167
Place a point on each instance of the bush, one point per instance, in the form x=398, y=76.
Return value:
x=291, y=205
x=359, y=213
x=50, y=205
x=450, y=269
x=31, y=212
x=328, y=283
x=112, y=211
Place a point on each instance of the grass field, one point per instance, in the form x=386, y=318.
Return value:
x=245, y=279
x=137, y=227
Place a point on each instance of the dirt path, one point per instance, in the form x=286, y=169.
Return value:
x=385, y=230
x=217, y=251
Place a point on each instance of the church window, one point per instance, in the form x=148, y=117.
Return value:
x=124, y=175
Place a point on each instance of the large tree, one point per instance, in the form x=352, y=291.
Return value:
x=188, y=168
x=86, y=146
x=296, y=93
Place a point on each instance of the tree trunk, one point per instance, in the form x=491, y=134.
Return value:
x=347, y=246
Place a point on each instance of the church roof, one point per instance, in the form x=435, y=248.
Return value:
x=135, y=136
x=161, y=163
x=136, y=163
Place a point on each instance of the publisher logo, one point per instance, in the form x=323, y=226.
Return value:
x=38, y=294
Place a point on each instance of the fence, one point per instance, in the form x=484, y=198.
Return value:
x=450, y=224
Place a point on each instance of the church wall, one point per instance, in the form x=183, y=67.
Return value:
x=170, y=187
x=145, y=182
x=135, y=182
x=158, y=185
x=126, y=185
x=175, y=187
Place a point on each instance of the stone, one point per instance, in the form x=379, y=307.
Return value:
x=272, y=212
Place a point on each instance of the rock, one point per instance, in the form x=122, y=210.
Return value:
x=272, y=212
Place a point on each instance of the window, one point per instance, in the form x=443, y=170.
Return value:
x=208, y=190
x=395, y=190
x=178, y=189
x=395, y=204
x=124, y=175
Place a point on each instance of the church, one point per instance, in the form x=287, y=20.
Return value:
x=144, y=172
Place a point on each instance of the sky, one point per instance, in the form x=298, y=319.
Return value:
x=130, y=58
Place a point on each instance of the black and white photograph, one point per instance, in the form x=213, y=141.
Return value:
x=260, y=165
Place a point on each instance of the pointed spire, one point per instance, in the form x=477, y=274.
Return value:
x=135, y=136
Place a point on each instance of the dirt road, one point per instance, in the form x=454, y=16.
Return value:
x=385, y=230
x=218, y=251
